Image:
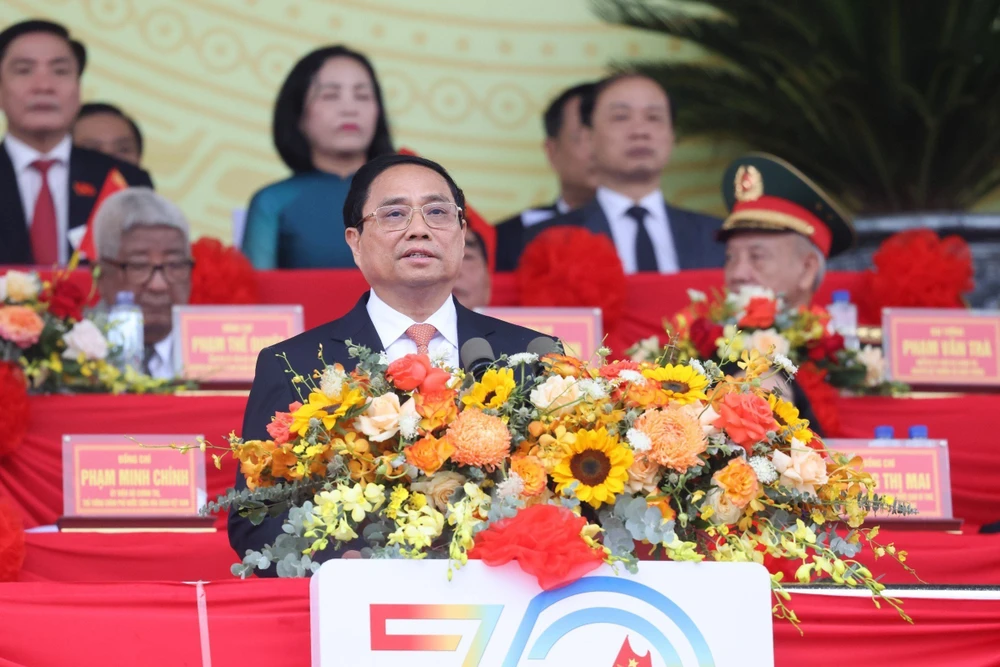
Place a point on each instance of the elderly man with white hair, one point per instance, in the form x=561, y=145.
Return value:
x=143, y=247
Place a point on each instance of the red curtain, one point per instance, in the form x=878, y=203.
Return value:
x=156, y=624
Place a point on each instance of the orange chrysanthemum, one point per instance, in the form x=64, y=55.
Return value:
x=532, y=473
x=738, y=481
x=676, y=435
x=429, y=454
x=480, y=439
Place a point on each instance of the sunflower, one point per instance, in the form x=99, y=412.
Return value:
x=599, y=465
x=681, y=384
x=787, y=416
x=492, y=391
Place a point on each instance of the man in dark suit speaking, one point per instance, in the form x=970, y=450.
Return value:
x=47, y=187
x=630, y=125
x=406, y=229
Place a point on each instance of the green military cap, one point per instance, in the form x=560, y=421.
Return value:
x=765, y=193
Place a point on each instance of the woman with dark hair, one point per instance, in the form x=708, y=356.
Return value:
x=328, y=121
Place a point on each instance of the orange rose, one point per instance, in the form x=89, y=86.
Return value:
x=437, y=408
x=759, y=313
x=20, y=325
x=436, y=380
x=429, y=454
x=746, y=418
x=531, y=472
x=406, y=373
x=563, y=365
x=738, y=482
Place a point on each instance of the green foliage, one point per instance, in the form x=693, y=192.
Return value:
x=891, y=105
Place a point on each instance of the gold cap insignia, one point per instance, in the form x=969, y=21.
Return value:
x=749, y=183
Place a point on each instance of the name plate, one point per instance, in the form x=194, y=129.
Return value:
x=579, y=329
x=667, y=615
x=914, y=471
x=940, y=347
x=220, y=344
x=111, y=476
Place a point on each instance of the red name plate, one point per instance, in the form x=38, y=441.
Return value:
x=112, y=476
x=913, y=471
x=942, y=347
x=579, y=329
x=221, y=343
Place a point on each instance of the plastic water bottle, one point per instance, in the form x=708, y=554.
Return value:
x=844, y=318
x=918, y=432
x=884, y=433
x=125, y=332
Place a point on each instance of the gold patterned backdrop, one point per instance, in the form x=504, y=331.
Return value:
x=465, y=81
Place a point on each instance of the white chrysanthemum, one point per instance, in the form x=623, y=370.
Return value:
x=698, y=368
x=521, y=358
x=439, y=358
x=785, y=364
x=742, y=297
x=696, y=295
x=593, y=390
x=331, y=382
x=639, y=441
x=634, y=377
x=408, y=422
x=764, y=469
x=512, y=487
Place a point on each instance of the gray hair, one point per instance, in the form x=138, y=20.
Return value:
x=807, y=246
x=134, y=207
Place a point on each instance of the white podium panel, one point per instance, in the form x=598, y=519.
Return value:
x=382, y=613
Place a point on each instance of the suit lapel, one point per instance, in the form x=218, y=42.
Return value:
x=13, y=224
x=472, y=325
x=357, y=327
x=686, y=242
x=595, y=220
x=82, y=192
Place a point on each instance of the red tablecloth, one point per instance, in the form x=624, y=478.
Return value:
x=155, y=624
x=938, y=558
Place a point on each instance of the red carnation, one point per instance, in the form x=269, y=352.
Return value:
x=14, y=415
x=568, y=266
x=704, y=334
x=66, y=299
x=222, y=275
x=826, y=348
x=545, y=541
x=11, y=541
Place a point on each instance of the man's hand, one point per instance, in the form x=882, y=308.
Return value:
x=352, y=553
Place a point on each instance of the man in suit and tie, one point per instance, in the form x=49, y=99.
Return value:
x=571, y=158
x=406, y=229
x=631, y=130
x=47, y=187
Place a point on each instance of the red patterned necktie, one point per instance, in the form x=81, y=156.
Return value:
x=421, y=334
x=44, y=232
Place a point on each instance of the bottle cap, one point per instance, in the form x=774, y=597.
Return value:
x=885, y=432
x=918, y=431
x=124, y=298
x=841, y=296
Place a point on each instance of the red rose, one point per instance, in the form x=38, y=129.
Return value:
x=704, y=333
x=436, y=380
x=406, y=373
x=66, y=300
x=544, y=540
x=746, y=419
x=826, y=347
x=759, y=314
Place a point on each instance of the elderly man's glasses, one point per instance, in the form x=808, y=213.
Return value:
x=140, y=273
x=397, y=217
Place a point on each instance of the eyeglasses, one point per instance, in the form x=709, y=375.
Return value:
x=397, y=217
x=140, y=273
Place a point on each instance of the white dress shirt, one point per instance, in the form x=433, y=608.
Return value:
x=29, y=182
x=624, y=229
x=391, y=327
x=533, y=216
x=161, y=361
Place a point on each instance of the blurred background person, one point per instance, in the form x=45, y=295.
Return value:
x=143, y=245
x=329, y=120
x=47, y=186
x=570, y=155
x=474, y=283
x=630, y=125
x=105, y=128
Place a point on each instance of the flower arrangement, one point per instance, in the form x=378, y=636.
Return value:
x=43, y=328
x=557, y=464
x=221, y=275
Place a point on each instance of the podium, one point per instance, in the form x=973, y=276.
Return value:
x=390, y=612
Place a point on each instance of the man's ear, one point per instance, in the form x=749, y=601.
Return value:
x=353, y=237
x=810, y=269
x=550, y=150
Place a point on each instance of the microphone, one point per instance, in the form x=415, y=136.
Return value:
x=477, y=356
x=543, y=345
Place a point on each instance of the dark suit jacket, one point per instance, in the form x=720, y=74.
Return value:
x=272, y=389
x=694, y=233
x=509, y=241
x=87, y=171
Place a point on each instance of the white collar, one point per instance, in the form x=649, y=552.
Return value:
x=22, y=155
x=562, y=207
x=391, y=324
x=614, y=204
x=165, y=348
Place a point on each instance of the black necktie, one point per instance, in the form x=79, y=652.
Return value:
x=645, y=256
